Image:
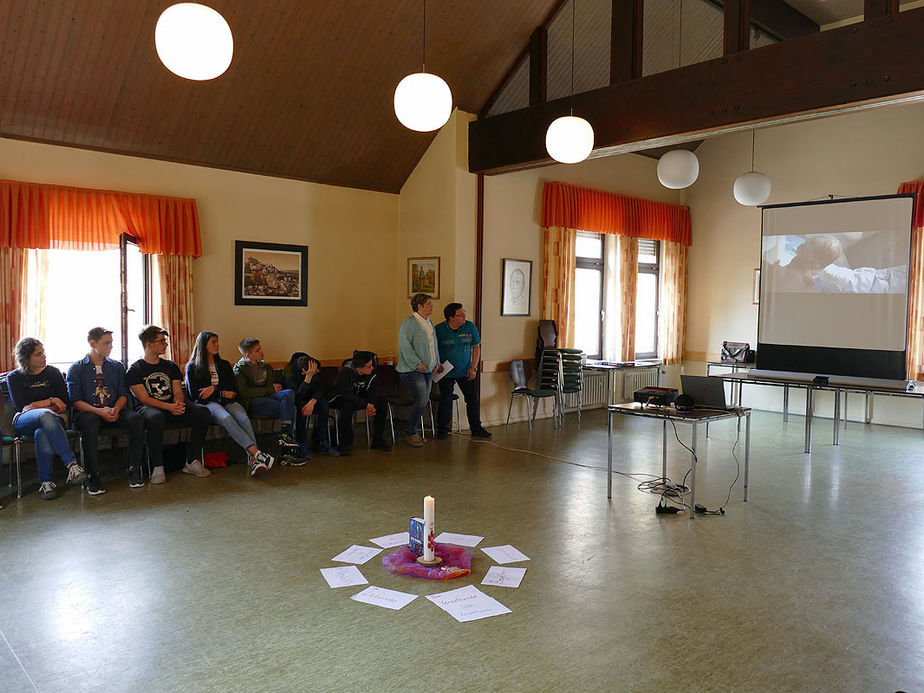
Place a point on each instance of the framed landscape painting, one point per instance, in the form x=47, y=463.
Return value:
x=270, y=274
x=423, y=276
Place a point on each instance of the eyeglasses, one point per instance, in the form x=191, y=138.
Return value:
x=160, y=341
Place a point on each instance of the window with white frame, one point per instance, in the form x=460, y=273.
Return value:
x=589, y=296
x=68, y=292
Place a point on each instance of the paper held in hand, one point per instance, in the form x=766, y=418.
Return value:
x=446, y=370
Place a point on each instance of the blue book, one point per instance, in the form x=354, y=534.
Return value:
x=415, y=532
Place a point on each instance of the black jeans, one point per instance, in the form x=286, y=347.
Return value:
x=345, y=420
x=155, y=420
x=321, y=410
x=90, y=425
x=472, y=404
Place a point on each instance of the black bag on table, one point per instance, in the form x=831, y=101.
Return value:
x=737, y=352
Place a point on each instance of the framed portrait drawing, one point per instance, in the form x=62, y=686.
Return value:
x=423, y=276
x=516, y=292
x=270, y=274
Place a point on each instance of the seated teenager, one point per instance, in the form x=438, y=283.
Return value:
x=99, y=396
x=211, y=383
x=310, y=399
x=158, y=386
x=39, y=396
x=291, y=375
x=355, y=390
x=260, y=395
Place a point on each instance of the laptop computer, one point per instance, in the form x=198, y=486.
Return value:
x=707, y=393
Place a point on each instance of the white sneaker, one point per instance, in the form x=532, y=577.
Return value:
x=158, y=476
x=196, y=468
x=257, y=468
x=266, y=459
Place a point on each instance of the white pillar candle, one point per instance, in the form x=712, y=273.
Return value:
x=428, y=528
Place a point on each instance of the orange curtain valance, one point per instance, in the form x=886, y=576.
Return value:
x=33, y=215
x=915, y=186
x=594, y=210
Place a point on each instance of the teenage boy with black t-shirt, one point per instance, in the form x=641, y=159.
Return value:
x=157, y=384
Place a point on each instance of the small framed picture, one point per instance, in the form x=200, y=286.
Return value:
x=516, y=292
x=756, y=286
x=423, y=276
x=270, y=274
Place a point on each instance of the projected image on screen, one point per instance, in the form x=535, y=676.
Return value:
x=864, y=262
x=834, y=287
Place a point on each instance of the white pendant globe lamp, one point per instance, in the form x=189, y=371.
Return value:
x=193, y=41
x=678, y=168
x=570, y=138
x=752, y=188
x=423, y=101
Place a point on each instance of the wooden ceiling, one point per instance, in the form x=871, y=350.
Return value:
x=308, y=94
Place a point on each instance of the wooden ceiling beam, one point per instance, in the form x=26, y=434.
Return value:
x=627, y=24
x=737, y=27
x=777, y=18
x=870, y=63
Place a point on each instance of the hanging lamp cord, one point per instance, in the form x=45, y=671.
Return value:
x=753, y=135
x=571, y=97
x=424, y=46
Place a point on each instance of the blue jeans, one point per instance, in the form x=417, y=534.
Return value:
x=233, y=418
x=418, y=385
x=280, y=405
x=46, y=428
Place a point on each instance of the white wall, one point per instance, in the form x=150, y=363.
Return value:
x=865, y=153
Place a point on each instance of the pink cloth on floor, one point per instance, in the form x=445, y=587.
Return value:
x=457, y=562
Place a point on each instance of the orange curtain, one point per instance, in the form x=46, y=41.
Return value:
x=48, y=216
x=12, y=280
x=914, y=349
x=627, y=269
x=176, y=308
x=672, y=303
x=558, y=267
x=575, y=207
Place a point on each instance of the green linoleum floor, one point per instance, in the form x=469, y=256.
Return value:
x=214, y=584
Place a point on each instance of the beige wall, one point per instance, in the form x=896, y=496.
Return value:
x=351, y=236
x=866, y=153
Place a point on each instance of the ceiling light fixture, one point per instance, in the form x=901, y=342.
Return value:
x=570, y=138
x=752, y=188
x=678, y=168
x=423, y=101
x=193, y=41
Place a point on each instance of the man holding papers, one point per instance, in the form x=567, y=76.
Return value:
x=459, y=344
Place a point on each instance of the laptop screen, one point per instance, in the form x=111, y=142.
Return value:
x=706, y=392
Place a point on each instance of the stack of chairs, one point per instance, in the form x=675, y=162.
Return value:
x=572, y=366
x=550, y=376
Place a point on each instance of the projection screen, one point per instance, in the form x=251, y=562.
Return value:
x=834, y=287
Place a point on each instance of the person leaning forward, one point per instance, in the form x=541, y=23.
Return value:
x=355, y=389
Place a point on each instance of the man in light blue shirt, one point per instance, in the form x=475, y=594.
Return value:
x=417, y=361
x=460, y=344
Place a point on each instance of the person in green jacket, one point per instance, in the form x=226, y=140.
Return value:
x=417, y=361
x=260, y=395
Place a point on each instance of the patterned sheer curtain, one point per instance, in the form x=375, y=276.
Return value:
x=672, y=302
x=176, y=303
x=12, y=280
x=558, y=265
x=627, y=271
x=914, y=350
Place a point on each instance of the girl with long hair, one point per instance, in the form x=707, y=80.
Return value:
x=211, y=383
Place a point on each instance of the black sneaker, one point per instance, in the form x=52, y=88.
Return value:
x=286, y=441
x=480, y=433
x=442, y=435
x=94, y=487
x=135, y=477
x=47, y=491
x=75, y=474
x=381, y=444
x=289, y=460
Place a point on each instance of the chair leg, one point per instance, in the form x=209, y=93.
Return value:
x=459, y=418
x=432, y=424
x=17, y=454
x=509, y=408
x=391, y=423
x=535, y=408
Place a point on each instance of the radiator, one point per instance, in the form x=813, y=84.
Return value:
x=595, y=388
x=638, y=378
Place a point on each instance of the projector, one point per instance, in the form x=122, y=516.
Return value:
x=659, y=396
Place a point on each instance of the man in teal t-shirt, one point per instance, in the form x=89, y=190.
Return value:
x=460, y=344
